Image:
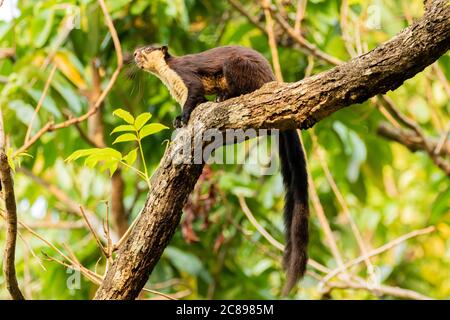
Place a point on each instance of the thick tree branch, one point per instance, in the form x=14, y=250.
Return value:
x=283, y=106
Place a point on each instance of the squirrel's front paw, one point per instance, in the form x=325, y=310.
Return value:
x=178, y=123
x=181, y=121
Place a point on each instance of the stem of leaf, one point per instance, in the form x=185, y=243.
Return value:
x=147, y=179
x=139, y=172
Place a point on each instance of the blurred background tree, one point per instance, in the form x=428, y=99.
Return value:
x=56, y=57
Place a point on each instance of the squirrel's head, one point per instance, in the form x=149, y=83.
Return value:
x=149, y=58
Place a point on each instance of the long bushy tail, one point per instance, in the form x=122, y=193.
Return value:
x=296, y=209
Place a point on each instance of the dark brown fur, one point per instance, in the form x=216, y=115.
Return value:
x=226, y=71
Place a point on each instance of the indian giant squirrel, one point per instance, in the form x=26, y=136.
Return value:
x=228, y=72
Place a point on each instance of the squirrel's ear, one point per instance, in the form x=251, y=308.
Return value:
x=165, y=48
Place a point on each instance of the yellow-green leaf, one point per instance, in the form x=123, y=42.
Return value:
x=110, y=165
x=125, y=137
x=125, y=115
x=122, y=128
x=10, y=160
x=130, y=158
x=92, y=160
x=141, y=120
x=81, y=153
x=112, y=168
x=24, y=154
x=64, y=64
x=151, y=128
x=110, y=153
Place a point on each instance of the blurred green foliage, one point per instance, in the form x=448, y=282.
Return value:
x=389, y=190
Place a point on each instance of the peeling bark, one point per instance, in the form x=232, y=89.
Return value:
x=283, y=106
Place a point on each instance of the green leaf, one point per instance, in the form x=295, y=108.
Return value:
x=126, y=137
x=101, y=153
x=125, y=115
x=141, y=120
x=123, y=127
x=24, y=113
x=184, y=261
x=111, y=153
x=92, y=160
x=42, y=27
x=48, y=104
x=112, y=168
x=24, y=154
x=110, y=165
x=151, y=128
x=108, y=155
x=80, y=153
x=130, y=158
x=65, y=89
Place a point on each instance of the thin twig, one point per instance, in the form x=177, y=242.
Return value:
x=272, y=41
x=342, y=202
x=302, y=42
x=97, y=239
x=300, y=15
x=386, y=290
x=256, y=224
x=109, y=245
x=413, y=125
x=344, y=27
x=40, y=102
x=378, y=251
x=250, y=17
x=305, y=44
x=267, y=235
x=409, y=139
x=331, y=241
x=443, y=140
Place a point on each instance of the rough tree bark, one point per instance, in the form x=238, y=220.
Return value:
x=276, y=105
x=9, y=268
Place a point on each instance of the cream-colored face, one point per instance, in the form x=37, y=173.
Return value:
x=153, y=60
x=149, y=59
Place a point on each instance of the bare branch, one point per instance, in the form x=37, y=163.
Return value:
x=378, y=251
x=410, y=139
x=40, y=102
x=256, y=224
x=414, y=126
x=386, y=290
x=342, y=202
x=272, y=40
x=300, y=15
x=305, y=44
